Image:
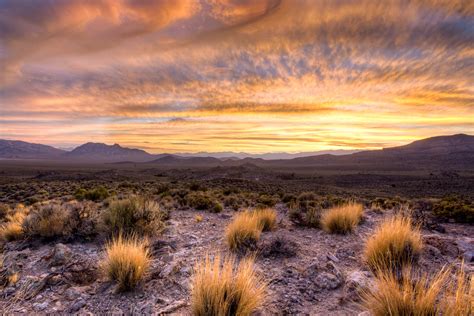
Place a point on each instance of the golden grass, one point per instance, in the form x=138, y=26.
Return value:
x=126, y=261
x=267, y=218
x=342, y=219
x=243, y=232
x=392, y=297
x=421, y=295
x=227, y=289
x=198, y=218
x=459, y=299
x=13, y=228
x=394, y=244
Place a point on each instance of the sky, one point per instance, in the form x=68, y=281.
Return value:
x=229, y=75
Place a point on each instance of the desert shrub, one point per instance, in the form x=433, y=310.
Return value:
x=243, y=232
x=267, y=218
x=226, y=288
x=4, y=210
x=134, y=215
x=12, y=229
x=394, y=244
x=202, y=201
x=288, y=198
x=307, y=196
x=50, y=220
x=232, y=201
x=97, y=194
x=126, y=261
x=267, y=200
x=342, y=219
x=456, y=208
x=414, y=294
x=309, y=216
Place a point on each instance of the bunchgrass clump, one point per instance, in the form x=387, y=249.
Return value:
x=126, y=261
x=243, y=232
x=267, y=218
x=413, y=294
x=342, y=219
x=395, y=244
x=223, y=287
x=134, y=215
x=459, y=297
x=408, y=296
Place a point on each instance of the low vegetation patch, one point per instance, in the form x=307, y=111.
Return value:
x=50, y=220
x=243, y=232
x=420, y=295
x=342, y=219
x=202, y=201
x=126, y=261
x=97, y=194
x=134, y=215
x=456, y=208
x=394, y=244
x=223, y=287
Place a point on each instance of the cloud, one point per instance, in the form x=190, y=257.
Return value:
x=332, y=68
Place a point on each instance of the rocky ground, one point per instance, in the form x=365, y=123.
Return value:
x=309, y=272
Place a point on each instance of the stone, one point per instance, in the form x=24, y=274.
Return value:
x=61, y=254
x=77, y=305
x=327, y=281
x=356, y=283
x=40, y=306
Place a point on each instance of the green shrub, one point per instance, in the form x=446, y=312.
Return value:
x=202, y=201
x=134, y=215
x=97, y=194
x=456, y=208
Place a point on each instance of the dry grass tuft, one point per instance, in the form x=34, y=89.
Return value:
x=405, y=297
x=342, y=219
x=12, y=229
x=126, y=261
x=198, y=218
x=243, y=232
x=226, y=289
x=267, y=218
x=459, y=299
x=395, y=244
x=421, y=295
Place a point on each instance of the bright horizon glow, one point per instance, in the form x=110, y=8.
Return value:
x=263, y=76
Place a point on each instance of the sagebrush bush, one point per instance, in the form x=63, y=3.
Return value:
x=97, y=194
x=134, y=215
x=243, y=232
x=342, y=219
x=50, y=220
x=414, y=294
x=456, y=208
x=12, y=229
x=267, y=218
x=223, y=287
x=202, y=201
x=394, y=244
x=126, y=261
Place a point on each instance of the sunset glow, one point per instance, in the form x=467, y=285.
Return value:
x=253, y=76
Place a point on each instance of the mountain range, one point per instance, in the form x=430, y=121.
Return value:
x=454, y=151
